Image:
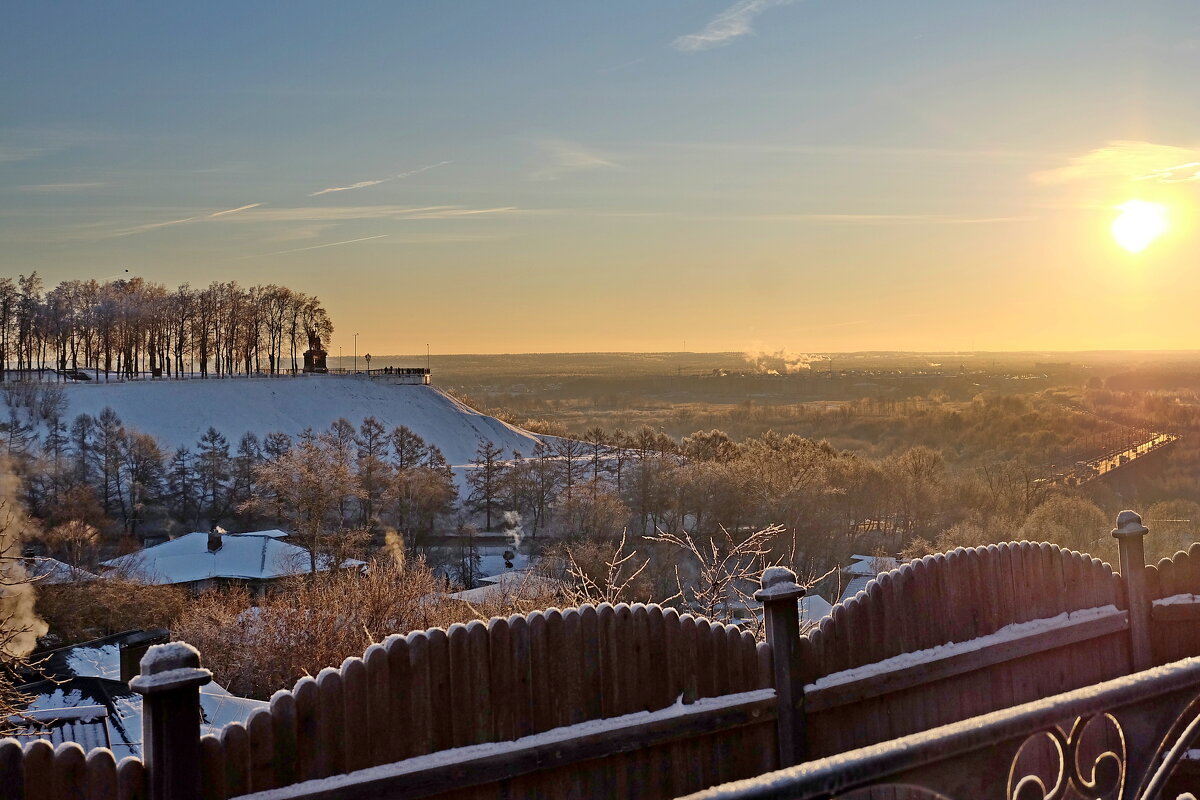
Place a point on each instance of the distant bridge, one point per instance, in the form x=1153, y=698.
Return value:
x=1105, y=465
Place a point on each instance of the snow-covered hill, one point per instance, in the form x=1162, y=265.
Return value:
x=178, y=413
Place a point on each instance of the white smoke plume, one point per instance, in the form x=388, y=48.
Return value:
x=20, y=626
x=393, y=547
x=512, y=528
x=780, y=362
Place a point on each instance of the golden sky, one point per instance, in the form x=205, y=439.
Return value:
x=520, y=177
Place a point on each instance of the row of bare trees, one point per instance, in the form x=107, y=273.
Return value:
x=132, y=327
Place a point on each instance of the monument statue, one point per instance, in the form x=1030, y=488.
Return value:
x=314, y=356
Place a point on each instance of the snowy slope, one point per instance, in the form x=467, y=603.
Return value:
x=178, y=413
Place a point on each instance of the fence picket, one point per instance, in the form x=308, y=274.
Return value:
x=70, y=772
x=212, y=769
x=356, y=719
x=12, y=772
x=398, y=707
x=610, y=661
x=461, y=708
x=557, y=661
x=481, y=690
x=379, y=728
x=440, y=723
x=570, y=662
x=522, y=661
x=262, y=750
x=39, y=770
x=131, y=779
x=308, y=742
x=331, y=723
x=590, y=662
x=630, y=688
x=235, y=747
x=502, y=689
x=541, y=673
x=101, y=775
x=416, y=694
x=285, y=759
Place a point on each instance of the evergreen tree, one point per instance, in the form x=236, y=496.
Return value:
x=486, y=479
x=213, y=472
x=182, y=491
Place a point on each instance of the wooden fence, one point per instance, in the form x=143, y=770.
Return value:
x=956, y=635
x=650, y=672
x=642, y=701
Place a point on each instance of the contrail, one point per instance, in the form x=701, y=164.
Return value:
x=234, y=210
x=319, y=246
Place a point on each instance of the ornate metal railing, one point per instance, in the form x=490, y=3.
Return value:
x=1123, y=739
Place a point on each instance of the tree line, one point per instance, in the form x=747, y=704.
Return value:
x=133, y=327
x=349, y=485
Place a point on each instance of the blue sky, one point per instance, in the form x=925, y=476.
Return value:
x=545, y=176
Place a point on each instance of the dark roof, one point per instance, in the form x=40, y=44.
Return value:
x=96, y=712
x=99, y=658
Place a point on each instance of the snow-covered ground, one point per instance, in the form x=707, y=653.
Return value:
x=178, y=413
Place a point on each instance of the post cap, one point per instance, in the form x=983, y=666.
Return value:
x=1129, y=523
x=779, y=583
x=175, y=665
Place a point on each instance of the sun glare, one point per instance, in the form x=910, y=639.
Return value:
x=1139, y=224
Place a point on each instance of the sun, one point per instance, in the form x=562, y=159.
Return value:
x=1139, y=224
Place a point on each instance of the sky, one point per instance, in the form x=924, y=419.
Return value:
x=541, y=176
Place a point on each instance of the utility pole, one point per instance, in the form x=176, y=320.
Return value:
x=427, y=357
x=356, y=353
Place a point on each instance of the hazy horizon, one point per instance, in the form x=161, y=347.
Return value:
x=738, y=175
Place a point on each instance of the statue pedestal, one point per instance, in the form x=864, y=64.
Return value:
x=314, y=361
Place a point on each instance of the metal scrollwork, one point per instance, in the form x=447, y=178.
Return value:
x=1104, y=777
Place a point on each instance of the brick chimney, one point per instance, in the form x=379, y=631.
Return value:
x=133, y=647
x=214, y=541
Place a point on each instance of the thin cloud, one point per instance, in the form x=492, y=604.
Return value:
x=61, y=187
x=319, y=246
x=884, y=219
x=733, y=22
x=254, y=213
x=1128, y=160
x=152, y=226
x=365, y=184
x=872, y=151
x=561, y=157
x=345, y=213
x=1181, y=173
x=618, y=67
x=234, y=210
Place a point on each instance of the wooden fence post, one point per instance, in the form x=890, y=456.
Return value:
x=1129, y=533
x=780, y=595
x=170, y=684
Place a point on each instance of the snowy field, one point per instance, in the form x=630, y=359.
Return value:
x=178, y=413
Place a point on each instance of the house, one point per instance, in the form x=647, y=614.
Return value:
x=862, y=570
x=83, y=696
x=813, y=609
x=203, y=560
x=51, y=570
x=507, y=586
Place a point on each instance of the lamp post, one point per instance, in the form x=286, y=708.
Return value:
x=356, y=353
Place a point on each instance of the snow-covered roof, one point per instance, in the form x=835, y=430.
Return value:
x=97, y=712
x=51, y=570
x=864, y=569
x=813, y=609
x=260, y=555
x=515, y=583
x=871, y=565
